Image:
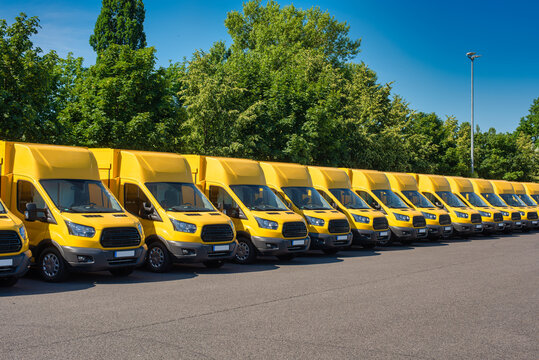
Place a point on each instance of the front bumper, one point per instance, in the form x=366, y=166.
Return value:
x=280, y=246
x=408, y=233
x=440, y=230
x=98, y=260
x=489, y=226
x=19, y=265
x=526, y=224
x=534, y=224
x=465, y=228
x=190, y=252
x=370, y=237
x=328, y=241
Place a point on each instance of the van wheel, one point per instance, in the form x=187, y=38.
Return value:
x=286, y=257
x=213, y=264
x=52, y=267
x=246, y=253
x=158, y=259
x=121, y=272
x=331, y=251
x=7, y=282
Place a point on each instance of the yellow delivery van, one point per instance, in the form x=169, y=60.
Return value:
x=506, y=191
x=264, y=225
x=73, y=221
x=369, y=227
x=329, y=229
x=436, y=188
x=14, y=253
x=179, y=222
x=511, y=217
x=520, y=192
x=438, y=220
x=491, y=218
x=373, y=186
x=532, y=189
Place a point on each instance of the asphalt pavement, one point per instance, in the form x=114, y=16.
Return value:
x=459, y=299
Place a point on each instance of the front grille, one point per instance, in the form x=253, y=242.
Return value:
x=9, y=241
x=498, y=217
x=419, y=221
x=339, y=226
x=532, y=215
x=120, y=237
x=380, y=223
x=515, y=216
x=445, y=219
x=294, y=229
x=217, y=233
x=476, y=219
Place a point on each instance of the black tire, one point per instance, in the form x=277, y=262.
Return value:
x=122, y=272
x=51, y=265
x=158, y=258
x=213, y=264
x=286, y=257
x=8, y=282
x=246, y=253
x=331, y=251
x=369, y=246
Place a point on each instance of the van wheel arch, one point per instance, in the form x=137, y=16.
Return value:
x=37, y=250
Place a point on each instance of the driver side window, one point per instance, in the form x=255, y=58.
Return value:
x=433, y=199
x=223, y=201
x=27, y=193
x=327, y=198
x=369, y=199
x=134, y=198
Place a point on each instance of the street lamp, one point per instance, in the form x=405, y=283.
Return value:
x=472, y=56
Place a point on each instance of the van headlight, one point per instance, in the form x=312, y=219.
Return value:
x=429, y=215
x=80, y=230
x=314, y=221
x=401, y=217
x=22, y=232
x=522, y=213
x=505, y=213
x=485, y=214
x=182, y=226
x=461, y=214
x=267, y=224
x=361, y=219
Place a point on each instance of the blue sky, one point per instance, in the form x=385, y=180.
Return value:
x=418, y=45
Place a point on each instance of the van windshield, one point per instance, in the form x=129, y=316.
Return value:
x=349, y=199
x=494, y=200
x=258, y=197
x=390, y=199
x=81, y=196
x=2, y=208
x=179, y=197
x=512, y=200
x=536, y=198
x=474, y=199
x=306, y=198
x=526, y=199
x=450, y=199
x=418, y=199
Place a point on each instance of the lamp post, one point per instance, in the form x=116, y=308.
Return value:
x=472, y=56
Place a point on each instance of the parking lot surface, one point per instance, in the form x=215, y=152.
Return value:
x=473, y=299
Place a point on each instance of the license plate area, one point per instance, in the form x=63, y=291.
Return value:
x=447, y=228
x=6, y=262
x=221, y=247
x=342, y=237
x=478, y=226
x=518, y=223
x=383, y=233
x=422, y=231
x=124, y=254
x=298, y=242
x=500, y=225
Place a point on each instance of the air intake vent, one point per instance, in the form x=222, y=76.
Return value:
x=93, y=216
x=476, y=219
x=217, y=233
x=294, y=229
x=532, y=215
x=118, y=237
x=515, y=216
x=10, y=242
x=4, y=217
x=419, y=221
x=194, y=214
x=380, y=223
x=444, y=219
x=339, y=226
x=120, y=215
x=498, y=217
x=273, y=213
x=214, y=214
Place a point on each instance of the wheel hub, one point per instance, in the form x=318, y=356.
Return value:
x=156, y=257
x=243, y=251
x=51, y=265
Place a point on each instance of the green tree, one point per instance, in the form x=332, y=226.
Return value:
x=27, y=82
x=529, y=124
x=120, y=22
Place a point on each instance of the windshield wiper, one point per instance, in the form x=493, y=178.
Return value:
x=184, y=208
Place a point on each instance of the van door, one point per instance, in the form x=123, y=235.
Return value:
x=134, y=200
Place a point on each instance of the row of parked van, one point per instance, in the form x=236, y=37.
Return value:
x=77, y=209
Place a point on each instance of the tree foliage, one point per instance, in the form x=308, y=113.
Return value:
x=529, y=124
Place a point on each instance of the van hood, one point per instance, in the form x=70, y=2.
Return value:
x=278, y=216
x=325, y=214
x=210, y=217
x=101, y=220
x=8, y=221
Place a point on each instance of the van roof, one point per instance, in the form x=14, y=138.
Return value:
x=482, y=186
x=518, y=187
x=532, y=188
x=227, y=171
x=369, y=179
x=460, y=184
x=428, y=182
x=401, y=181
x=285, y=174
x=40, y=161
x=502, y=186
x=329, y=178
x=144, y=166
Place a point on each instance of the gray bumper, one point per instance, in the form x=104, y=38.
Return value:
x=280, y=246
x=370, y=237
x=328, y=241
x=102, y=259
x=408, y=233
x=440, y=230
x=493, y=226
x=534, y=224
x=189, y=252
x=461, y=228
x=526, y=224
x=18, y=268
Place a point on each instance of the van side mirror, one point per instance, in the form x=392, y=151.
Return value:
x=439, y=204
x=147, y=208
x=31, y=212
x=148, y=212
x=376, y=205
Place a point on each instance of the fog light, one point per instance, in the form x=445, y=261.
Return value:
x=188, y=252
x=271, y=246
x=85, y=259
